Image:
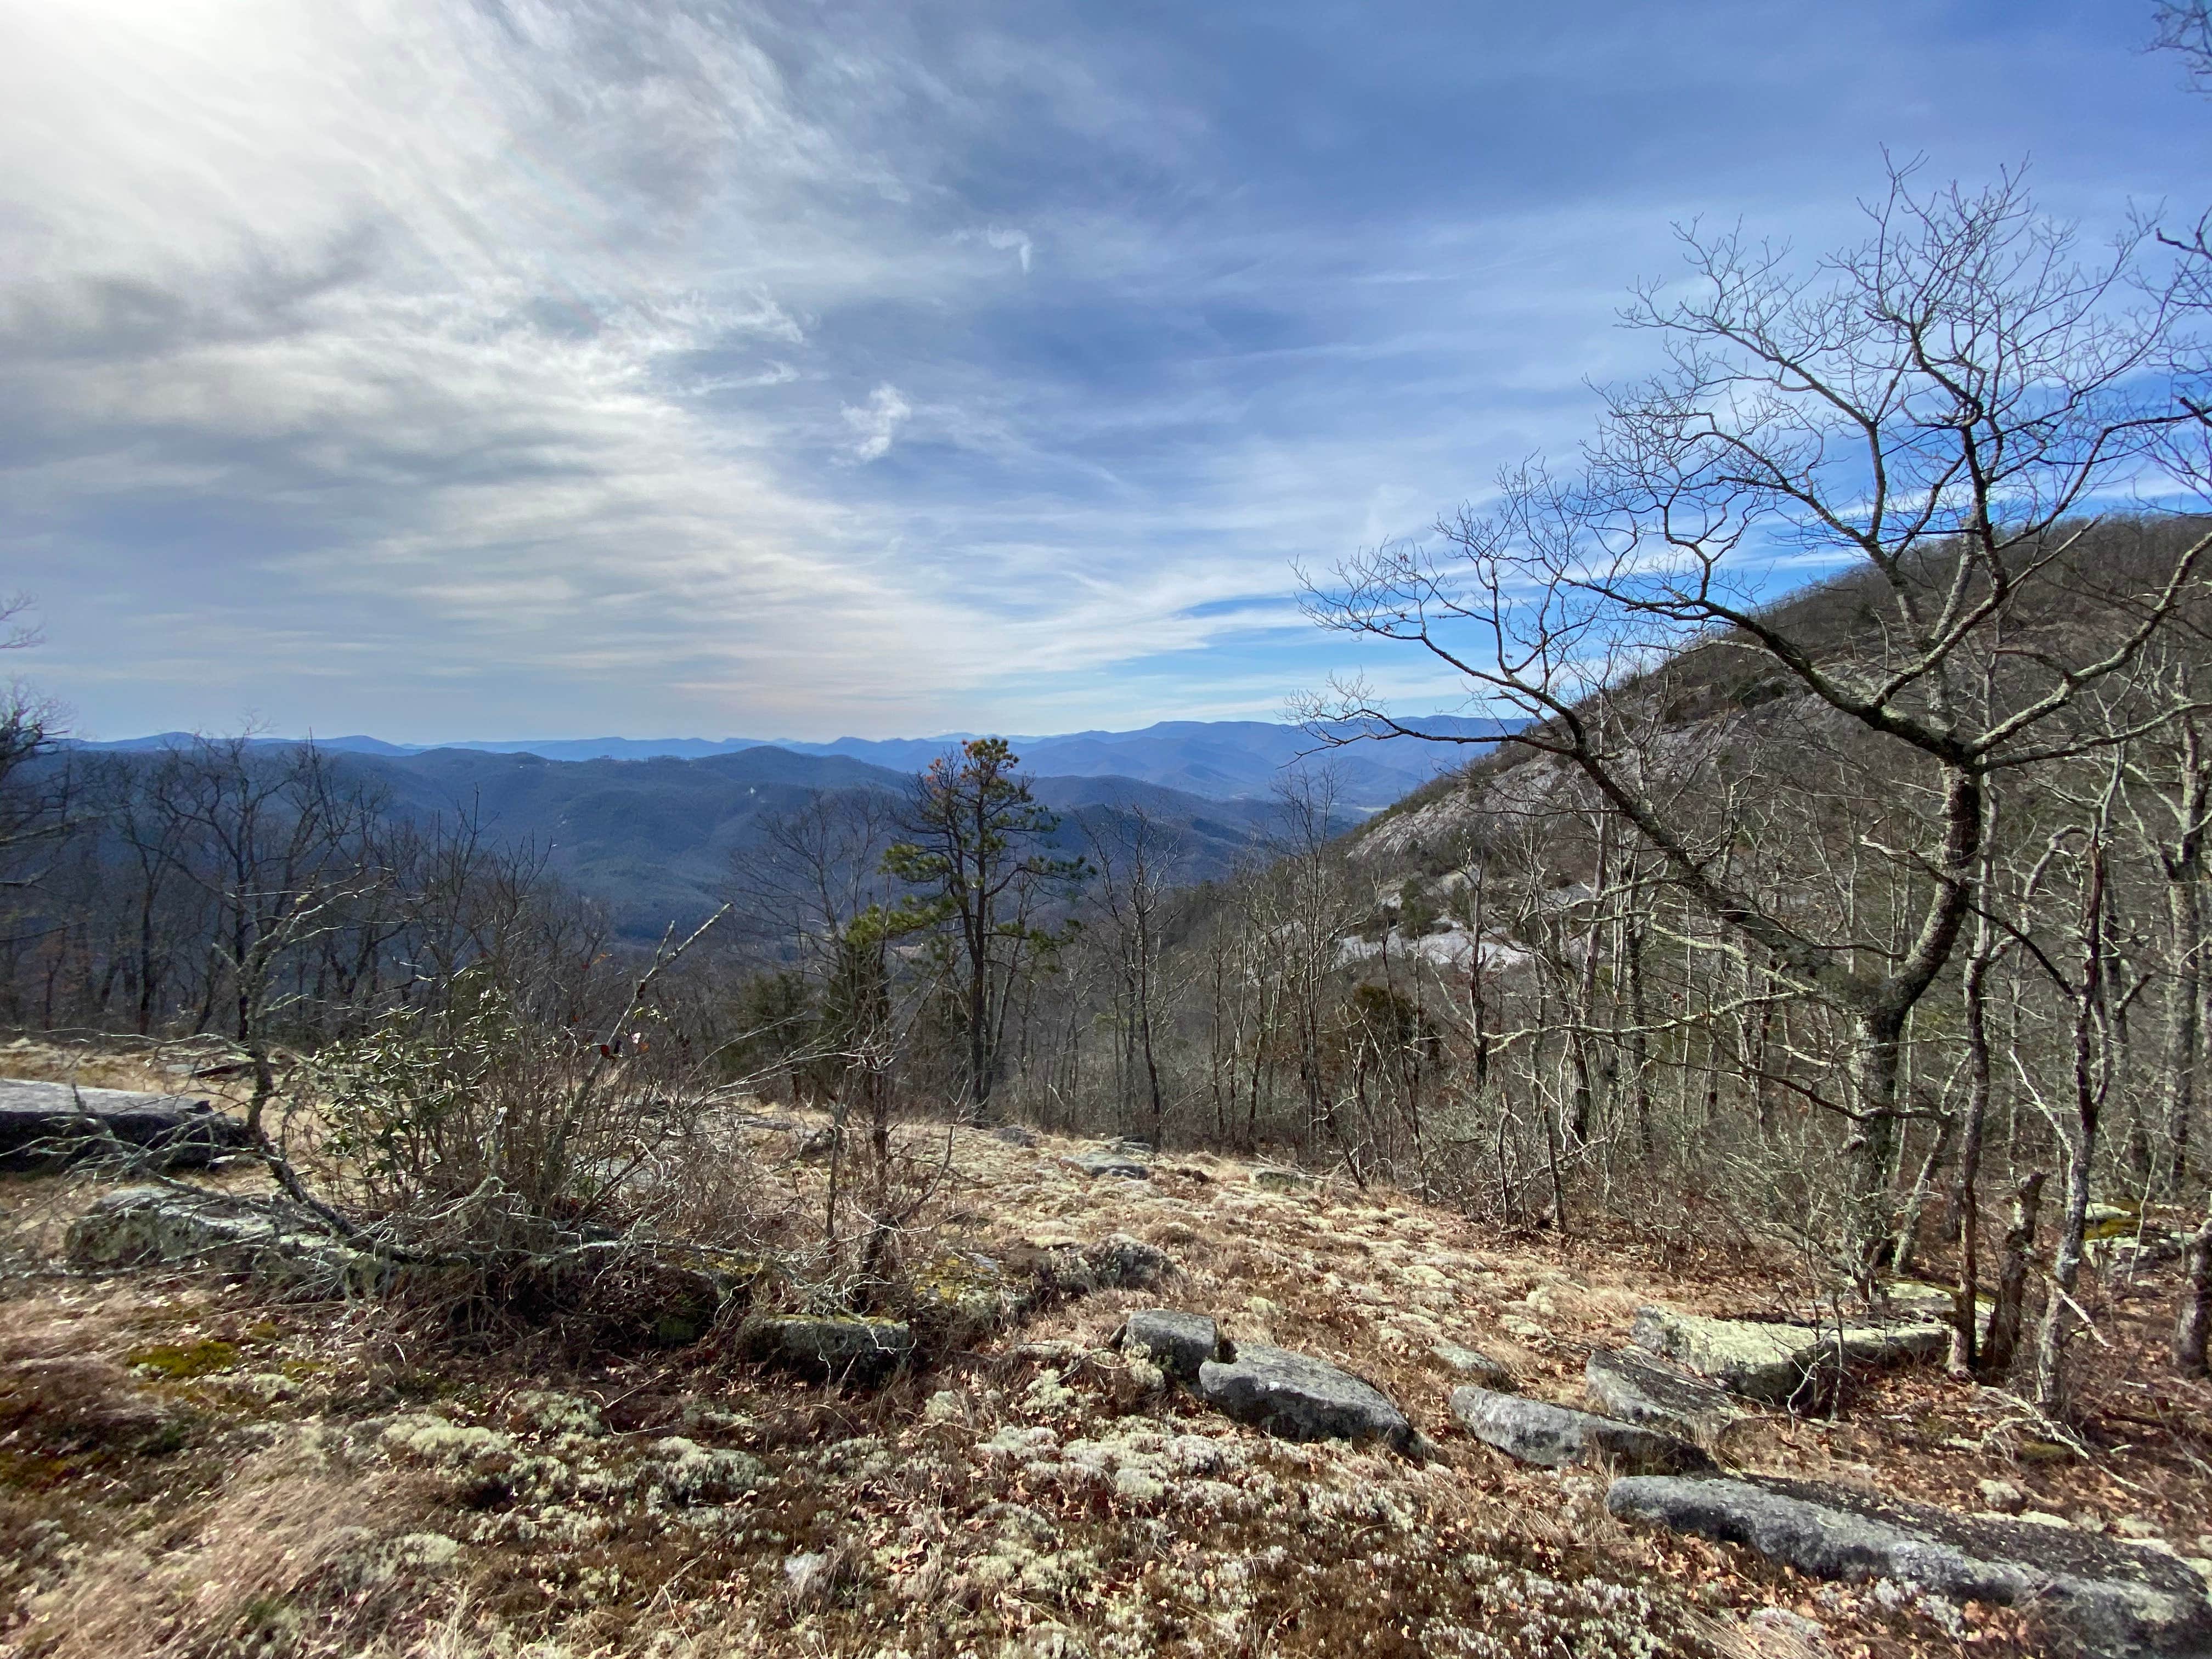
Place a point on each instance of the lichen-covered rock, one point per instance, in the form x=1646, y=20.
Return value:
x=277, y=1246
x=1301, y=1398
x=1113, y=1160
x=1635, y=1387
x=1178, y=1343
x=43, y=1124
x=1782, y=1364
x=840, y=1347
x=1494, y=1374
x=2096, y=1596
x=1536, y=1432
x=1116, y=1262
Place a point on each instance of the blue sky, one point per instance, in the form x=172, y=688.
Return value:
x=521, y=369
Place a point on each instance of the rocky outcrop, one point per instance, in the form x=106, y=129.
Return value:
x=1301, y=1398
x=279, y=1247
x=1535, y=1431
x=838, y=1346
x=1131, y=1160
x=2093, y=1594
x=1635, y=1387
x=1178, y=1343
x=1782, y=1365
x=1493, y=1374
x=44, y=1124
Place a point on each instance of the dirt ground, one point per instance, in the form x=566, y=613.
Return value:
x=189, y=1468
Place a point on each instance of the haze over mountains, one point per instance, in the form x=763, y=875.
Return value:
x=1215, y=760
x=650, y=827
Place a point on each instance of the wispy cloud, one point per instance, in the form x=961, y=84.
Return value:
x=877, y=422
x=454, y=367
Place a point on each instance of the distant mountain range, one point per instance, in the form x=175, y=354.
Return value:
x=652, y=836
x=1217, y=760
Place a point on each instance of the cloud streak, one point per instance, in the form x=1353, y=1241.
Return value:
x=446, y=366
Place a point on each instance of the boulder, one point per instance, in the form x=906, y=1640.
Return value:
x=1635, y=1387
x=1116, y=1158
x=1536, y=1432
x=44, y=1124
x=1179, y=1343
x=1782, y=1364
x=1300, y=1398
x=1492, y=1374
x=278, y=1246
x=2094, y=1594
x=1116, y=1262
x=839, y=1346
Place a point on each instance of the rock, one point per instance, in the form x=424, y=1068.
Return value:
x=1277, y=1179
x=1116, y=1262
x=1536, y=1432
x=1179, y=1343
x=1492, y=1374
x=1113, y=1160
x=836, y=1346
x=1782, y=1365
x=45, y=1124
x=2001, y=1496
x=1300, y=1398
x=1637, y=1388
x=278, y=1246
x=2106, y=1597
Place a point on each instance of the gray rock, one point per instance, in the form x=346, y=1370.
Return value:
x=1179, y=1343
x=1493, y=1374
x=1119, y=1262
x=1536, y=1432
x=1300, y=1398
x=835, y=1347
x=1782, y=1364
x=1637, y=1388
x=44, y=1124
x=2102, y=1596
x=280, y=1247
x=1113, y=1160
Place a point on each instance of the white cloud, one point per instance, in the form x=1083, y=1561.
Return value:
x=876, y=423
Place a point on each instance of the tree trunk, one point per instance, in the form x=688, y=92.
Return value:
x=2194, y=1324
x=2012, y=1277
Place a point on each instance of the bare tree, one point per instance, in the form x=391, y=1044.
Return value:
x=1937, y=406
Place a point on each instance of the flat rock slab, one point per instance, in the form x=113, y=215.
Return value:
x=1301, y=1398
x=1782, y=1365
x=1112, y=1161
x=2093, y=1594
x=147, y=1225
x=1493, y=1374
x=1179, y=1343
x=858, y=1348
x=1536, y=1432
x=1632, y=1386
x=43, y=1124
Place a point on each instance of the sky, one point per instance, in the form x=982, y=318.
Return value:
x=513, y=368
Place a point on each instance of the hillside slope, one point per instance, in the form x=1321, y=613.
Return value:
x=1033, y=1492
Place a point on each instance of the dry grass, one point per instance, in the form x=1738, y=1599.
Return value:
x=311, y=1481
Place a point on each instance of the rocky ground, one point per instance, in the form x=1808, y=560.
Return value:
x=190, y=1465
